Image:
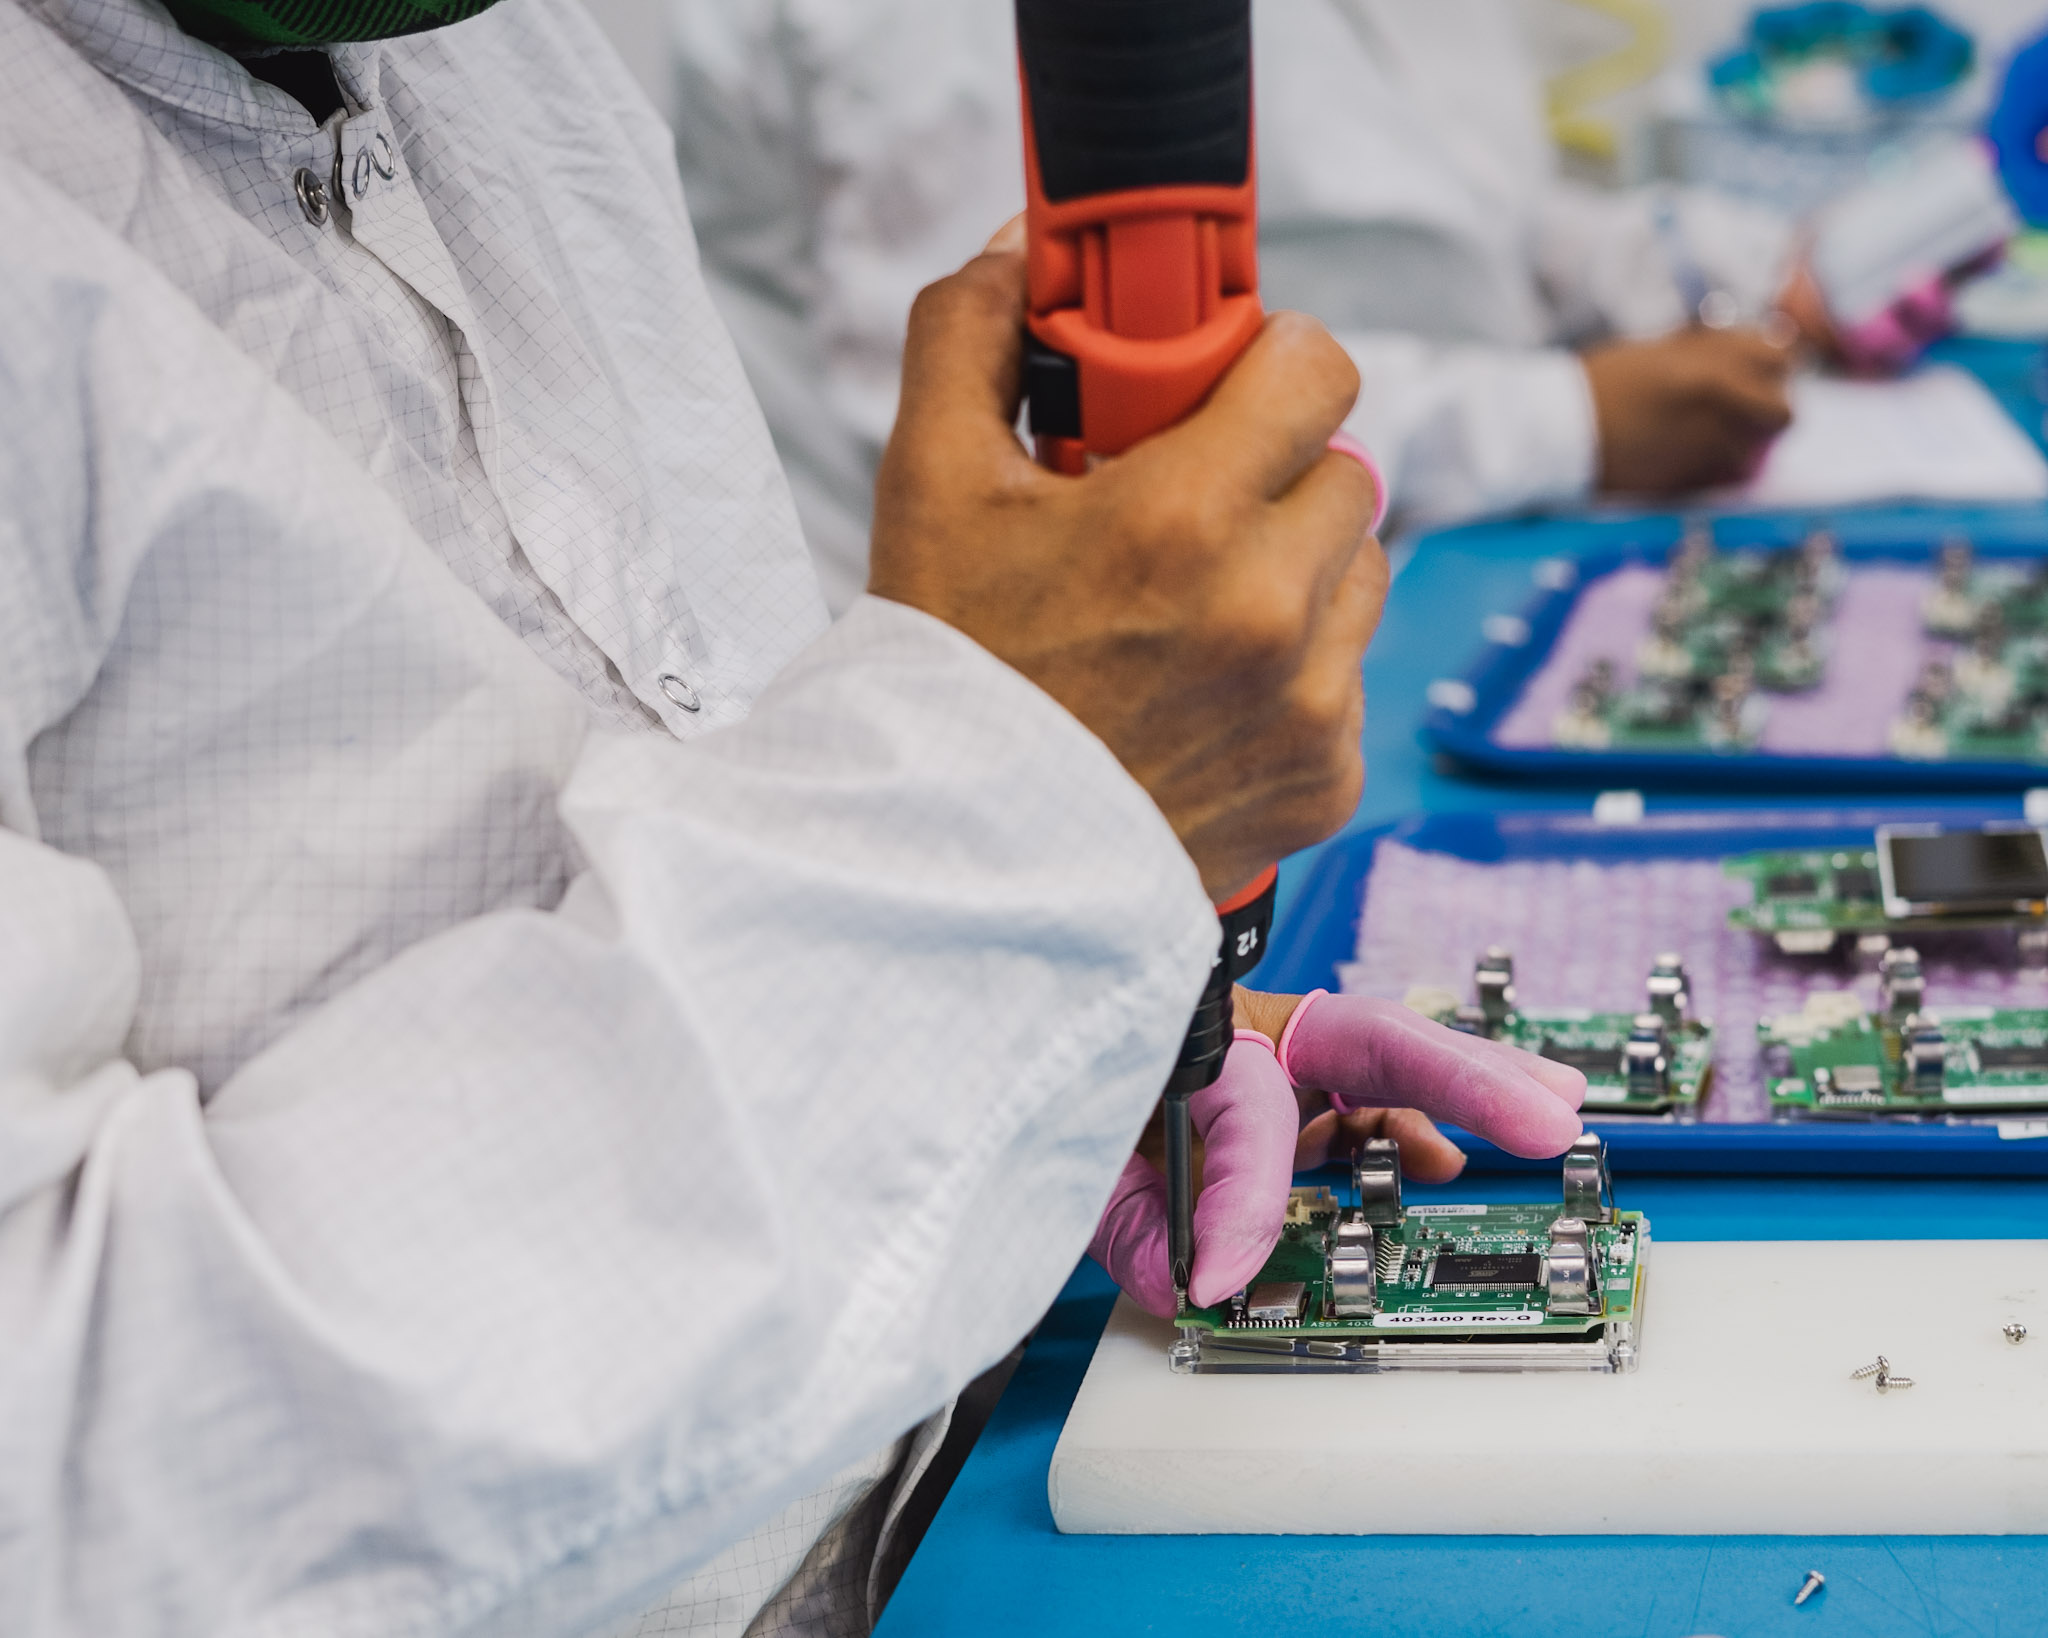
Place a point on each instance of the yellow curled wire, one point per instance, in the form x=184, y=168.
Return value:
x=1567, y=95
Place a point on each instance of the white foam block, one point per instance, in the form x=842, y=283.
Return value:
x=1741, y=1420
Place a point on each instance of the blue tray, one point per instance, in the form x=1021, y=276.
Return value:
x=1321, y=930
x=1497, y=677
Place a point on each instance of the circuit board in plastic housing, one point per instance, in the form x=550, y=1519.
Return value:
x=1835, y=1060
x=1806, y=901
x=1457, y=1287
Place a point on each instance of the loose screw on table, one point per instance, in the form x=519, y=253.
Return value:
x=1814, y=1582
x=1881, y=1368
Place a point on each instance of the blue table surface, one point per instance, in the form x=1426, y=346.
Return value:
x=992, y=1563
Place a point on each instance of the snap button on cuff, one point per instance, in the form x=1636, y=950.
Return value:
x=381, y=158
x=359, y=174
x=679, y=691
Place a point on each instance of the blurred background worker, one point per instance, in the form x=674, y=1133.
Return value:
x=1522, y=338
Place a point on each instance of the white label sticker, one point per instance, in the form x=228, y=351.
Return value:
x=1994, y=1094
x=1466, y=1319
x=1446, y=1211
x=2020, y=1130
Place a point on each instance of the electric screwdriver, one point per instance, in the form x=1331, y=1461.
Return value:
x=1141, y=221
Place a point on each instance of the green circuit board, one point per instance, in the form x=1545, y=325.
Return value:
x=1595, y=1043
x=1730, y=627
x=1809, y=899
x=1835, y=1060
x=1659, y=714
x=1990, y=704
x=1987, y=700
x=1965, y=588
x=1458, y=1273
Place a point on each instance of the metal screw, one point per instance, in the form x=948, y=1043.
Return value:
x=2015, y=1332
x=1864, y=1372
x=1886, y=1381
x=1814, y=1582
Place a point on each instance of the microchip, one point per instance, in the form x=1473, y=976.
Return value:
x=1856, y=882
x=1485, y=1270
x=2011, y=1057
x=1277, y=1302
x=1590, y=1060
x=1792, y=884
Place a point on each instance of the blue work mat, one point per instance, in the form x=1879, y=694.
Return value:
x=1320, y=930
x=1464, y=722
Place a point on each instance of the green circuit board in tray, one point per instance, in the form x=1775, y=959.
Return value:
x=1809, y=899
x=1836, y=1060
x=1672, y=1078
x=1730, y=627
x=1593, y=1043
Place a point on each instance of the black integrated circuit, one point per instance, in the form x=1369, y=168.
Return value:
x=1792, y=884
x=1586, y=1059
x=1858, y=882
x=2011, y=1057
x=1486, y=1270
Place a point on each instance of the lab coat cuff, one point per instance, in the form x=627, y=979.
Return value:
x=1564, y=432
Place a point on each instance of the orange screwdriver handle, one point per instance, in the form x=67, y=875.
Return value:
x=1141, y=214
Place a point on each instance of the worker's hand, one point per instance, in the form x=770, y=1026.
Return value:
x=1349, y=1069
x=1246, y=1122
x=1365, y=1055
x=1691, y=410
x=1201, y=603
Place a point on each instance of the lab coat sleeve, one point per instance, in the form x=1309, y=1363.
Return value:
x=1464, y=430
x=569, y=1245
x=1608, y=267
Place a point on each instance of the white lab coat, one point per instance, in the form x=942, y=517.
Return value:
x=478, y=1137
x=839, y=154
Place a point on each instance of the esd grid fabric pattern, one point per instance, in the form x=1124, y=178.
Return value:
x=426, y=1209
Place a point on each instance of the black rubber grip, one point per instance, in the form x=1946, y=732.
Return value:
x=1137, y=93
x=1052, y=387
x=1213, y=1027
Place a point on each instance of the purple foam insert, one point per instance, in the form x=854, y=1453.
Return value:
x=1876, y=649
x=1584, y=935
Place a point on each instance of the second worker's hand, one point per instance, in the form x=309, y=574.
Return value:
x=1201, y=603
x=1692, y=410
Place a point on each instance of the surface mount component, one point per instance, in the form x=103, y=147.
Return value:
x=1913, y=879
x=1657, y=1061
x=1834, y=1059
x=1547, y=1285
